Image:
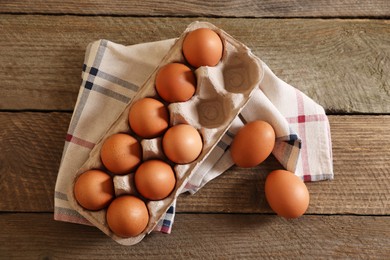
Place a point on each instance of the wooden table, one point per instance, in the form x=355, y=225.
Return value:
x=338, y=54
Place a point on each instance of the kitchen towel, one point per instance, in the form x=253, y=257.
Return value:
x=113, y=73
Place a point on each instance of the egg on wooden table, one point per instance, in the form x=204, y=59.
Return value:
x=286, y=194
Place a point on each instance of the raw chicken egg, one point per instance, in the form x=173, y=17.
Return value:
x=175, y=82
x=154, y=179
x=286, y=194
x=94, y=189
x=202, y=47
x=127, y=216
x=121, y=153
x=148, y=118
x=252, y=144
x=182, y=144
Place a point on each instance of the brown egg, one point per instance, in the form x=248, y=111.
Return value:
x=175, y=82
x=252, y=144
x=121, y=153
x=286, y=194
x=94, y=189
x=182, y=144
x=154, y=179
x=202, y=47
x=127, y=216
x=148, y=118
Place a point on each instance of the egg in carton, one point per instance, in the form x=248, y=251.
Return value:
x=221, y=93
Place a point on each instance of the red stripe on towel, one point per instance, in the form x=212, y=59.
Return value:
x=79, y=141
x=302, y=134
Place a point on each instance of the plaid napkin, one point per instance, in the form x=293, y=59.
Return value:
x=112, y=74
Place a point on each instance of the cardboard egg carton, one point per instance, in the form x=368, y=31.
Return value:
x=222, y=91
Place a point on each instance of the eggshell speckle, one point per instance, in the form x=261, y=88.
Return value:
x=121, y=153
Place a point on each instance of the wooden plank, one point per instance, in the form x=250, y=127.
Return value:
x=236, y=8
x=361, y=167
x=342, y=64
x=221, y=236
x=31, y=147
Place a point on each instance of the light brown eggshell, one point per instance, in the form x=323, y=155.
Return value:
x=286, y=194
x=94, y=189
x=121, y=153
x=148, y=117
x=175, y=82
x=154, y=179
x=252, y=144
x=127, y=216
x=203, y=47
x=182, y=143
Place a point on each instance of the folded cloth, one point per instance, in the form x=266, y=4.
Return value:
x=112, y=75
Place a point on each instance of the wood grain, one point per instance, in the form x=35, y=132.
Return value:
x=342, y=64
x=196, y=236
x=235, y=8
x=361, y=167
x=31, y=147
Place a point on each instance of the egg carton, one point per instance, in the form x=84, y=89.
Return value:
x=222, y=92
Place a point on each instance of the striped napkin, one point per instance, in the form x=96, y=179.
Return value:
x=113, y=73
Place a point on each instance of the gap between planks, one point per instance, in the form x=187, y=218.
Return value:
x=32, y=145
x=237, y=8
x=344, y=65
x=203, y=236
